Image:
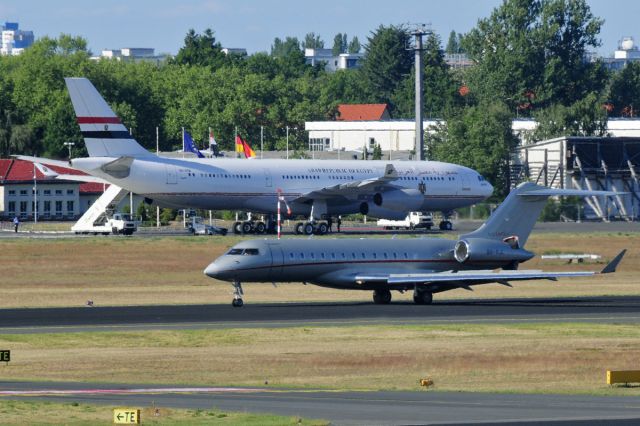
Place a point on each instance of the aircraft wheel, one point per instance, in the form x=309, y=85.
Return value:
x=381, y=297
x=308, y=228
x=446, y=225
x=323, y=228
x=237, y=303
x=299, y=228
x=261, y=228
x=423, y=297
x=246, y=227
x=237, y=228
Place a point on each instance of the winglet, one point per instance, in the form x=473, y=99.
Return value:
x=611, y=266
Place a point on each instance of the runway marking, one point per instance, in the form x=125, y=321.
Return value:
x=52, y=392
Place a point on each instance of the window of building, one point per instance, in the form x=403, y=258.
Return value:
x=58, y=207
x=47, y=206
x=47, y=192
x=372, y=142
x=58, y=191
x=69, y=191
x=23, y=192
x=12, y=192
x=12, y=206
x=69, y=206
x=23, y=206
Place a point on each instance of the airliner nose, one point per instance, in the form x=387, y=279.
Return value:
x=488, y=190
x=212, y=270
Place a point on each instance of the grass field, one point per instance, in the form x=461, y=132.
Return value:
x=566, y=357
x=168, y=270
x=41, y=413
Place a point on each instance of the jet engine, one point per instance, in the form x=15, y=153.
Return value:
x=480, y=249
x=404, y=200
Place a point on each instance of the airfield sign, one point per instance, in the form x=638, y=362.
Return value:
x=126, y=416
x=5, y=356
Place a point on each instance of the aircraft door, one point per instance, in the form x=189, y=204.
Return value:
x=268, y=182
x=465, y=188
x=172, y=174
x=277, y=260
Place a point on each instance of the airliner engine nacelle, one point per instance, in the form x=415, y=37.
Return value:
x=479, y=249
x=404, y=200
x=371, y=209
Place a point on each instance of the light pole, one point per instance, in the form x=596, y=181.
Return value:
x=69, y=145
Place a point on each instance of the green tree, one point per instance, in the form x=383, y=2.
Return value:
x=285, y=48
x=478, y=137
x=312, y=41
x=377, y=152
x=201, y=49
x=354, y=45
x=624, y=93
x=339, y=44
x=440, y=87
x=452, y=43
x=387, y=62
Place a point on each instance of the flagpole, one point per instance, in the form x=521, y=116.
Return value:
x=235, y=138
x=183, y=142
x=35, y=196
x=158, y=154
x=261, y=141
x=287, y=142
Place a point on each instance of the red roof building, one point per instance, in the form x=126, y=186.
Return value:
x=56, y=198
x=363, y=112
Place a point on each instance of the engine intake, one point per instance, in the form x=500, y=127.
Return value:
x=479, y=249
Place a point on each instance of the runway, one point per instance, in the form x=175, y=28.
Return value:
x=351, y=408
x=596, y=309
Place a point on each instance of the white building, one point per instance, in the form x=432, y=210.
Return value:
x=332, y=63
x=132, y=54
x=14, y=40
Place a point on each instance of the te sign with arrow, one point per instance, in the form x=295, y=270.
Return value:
x=126, y=416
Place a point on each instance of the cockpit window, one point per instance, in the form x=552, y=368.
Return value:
x=234, y=251
x=251, y=252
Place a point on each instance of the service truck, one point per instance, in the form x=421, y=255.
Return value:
x=414, y=220
x=118, y=223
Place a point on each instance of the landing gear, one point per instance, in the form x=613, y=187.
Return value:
x=237, y=295
x=446, y=225
x=322, y=228
x=309, y=228
x=261, y=228
x=422, y=297
x=237, y=228
x=247, y=227
x=381, y=297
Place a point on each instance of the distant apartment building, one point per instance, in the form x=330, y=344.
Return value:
x=132, y=54
x=331, y=62
x=14, y=40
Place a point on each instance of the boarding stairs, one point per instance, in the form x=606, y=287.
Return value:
x=100, y=211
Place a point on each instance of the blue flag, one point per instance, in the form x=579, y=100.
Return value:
x=189, y=146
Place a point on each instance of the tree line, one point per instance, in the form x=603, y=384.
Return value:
x=529, y=61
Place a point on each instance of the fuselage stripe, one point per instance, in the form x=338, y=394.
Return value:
x=98, y=120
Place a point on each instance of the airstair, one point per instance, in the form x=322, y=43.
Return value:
x=100, y=211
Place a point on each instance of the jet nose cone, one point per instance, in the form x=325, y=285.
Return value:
x=212, y=270
x=488, y=189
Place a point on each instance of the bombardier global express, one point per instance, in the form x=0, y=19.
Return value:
x=314, y=189
x=424, y=265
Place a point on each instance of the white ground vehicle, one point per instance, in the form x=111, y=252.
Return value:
x=414, y=220
x=118, y=223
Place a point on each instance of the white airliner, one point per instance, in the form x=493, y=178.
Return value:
x=314, y=189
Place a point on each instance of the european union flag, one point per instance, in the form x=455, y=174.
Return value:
x=189, y=146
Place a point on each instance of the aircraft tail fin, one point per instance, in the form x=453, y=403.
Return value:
x=518, y=213
x=103, y=132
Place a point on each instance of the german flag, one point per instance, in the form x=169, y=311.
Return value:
x=243, y=147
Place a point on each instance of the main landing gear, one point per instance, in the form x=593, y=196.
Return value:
x=381, y=297
x=250, y=227
x=237, y=295
x=422, y=297
x=446, y=225
x=309, y=228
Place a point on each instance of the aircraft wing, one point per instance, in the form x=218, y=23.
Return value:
x=352, y=188
x=466, y=279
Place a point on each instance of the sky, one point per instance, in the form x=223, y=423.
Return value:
x=253, y=24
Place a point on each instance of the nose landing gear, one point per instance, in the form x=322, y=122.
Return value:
x=381, y=297
x=237, y=295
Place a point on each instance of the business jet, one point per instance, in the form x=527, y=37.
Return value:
x=427, y=266
x=314, y=189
